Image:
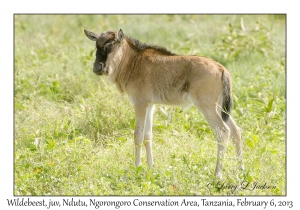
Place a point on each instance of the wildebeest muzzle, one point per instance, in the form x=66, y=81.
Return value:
x=98, y=68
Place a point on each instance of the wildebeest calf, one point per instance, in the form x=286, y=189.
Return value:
x=153, y=75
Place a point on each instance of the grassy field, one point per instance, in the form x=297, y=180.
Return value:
x=74, y=131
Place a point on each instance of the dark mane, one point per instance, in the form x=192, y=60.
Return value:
x=139, y=46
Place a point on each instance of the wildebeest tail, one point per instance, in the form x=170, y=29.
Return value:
x=227, y=98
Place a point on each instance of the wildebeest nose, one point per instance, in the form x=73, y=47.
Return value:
x=98, y=67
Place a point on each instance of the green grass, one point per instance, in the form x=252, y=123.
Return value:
x=74, y=131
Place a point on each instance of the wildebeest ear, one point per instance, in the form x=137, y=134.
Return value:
x=91, y=35
x=120, y=35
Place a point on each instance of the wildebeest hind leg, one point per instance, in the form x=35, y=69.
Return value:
x=221, y=130
x=235, y=134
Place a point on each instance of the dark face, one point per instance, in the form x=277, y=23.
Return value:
x=104, y=46
x=99, y=64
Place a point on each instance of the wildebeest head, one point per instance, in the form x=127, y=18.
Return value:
x=104, y=44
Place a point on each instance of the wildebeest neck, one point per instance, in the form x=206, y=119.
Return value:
x=139, y=46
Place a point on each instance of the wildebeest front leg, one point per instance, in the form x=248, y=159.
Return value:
x=148, y=135
x=140, y=114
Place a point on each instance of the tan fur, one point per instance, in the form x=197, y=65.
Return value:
x=151, y=76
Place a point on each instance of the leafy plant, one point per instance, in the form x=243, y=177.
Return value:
x=240, y=42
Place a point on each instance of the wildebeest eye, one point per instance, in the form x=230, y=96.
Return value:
x=100, y=50
x=108, y=46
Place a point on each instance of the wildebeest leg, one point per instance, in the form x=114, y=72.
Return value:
x=235, y=134
x=221, y=130
x=222, y=133
x=140, y=114
x=148, y=135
